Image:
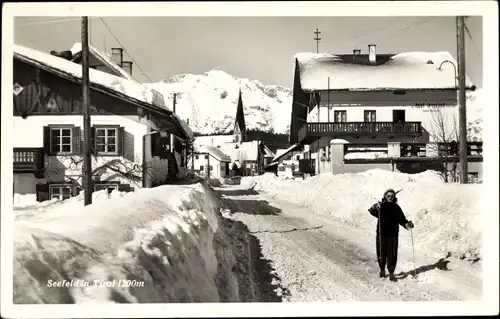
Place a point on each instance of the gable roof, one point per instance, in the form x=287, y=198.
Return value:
x=215, y=152
x=267, y=151
x=126, y=90
x=408, y=71
x=76, y=50
x=282, y=154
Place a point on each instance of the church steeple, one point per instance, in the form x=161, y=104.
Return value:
x=239, y=134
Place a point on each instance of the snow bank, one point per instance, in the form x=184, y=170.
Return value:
x=166, y=241
x=447, y=217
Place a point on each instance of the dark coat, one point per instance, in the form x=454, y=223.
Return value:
x=391, y=216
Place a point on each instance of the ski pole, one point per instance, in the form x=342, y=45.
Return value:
x=413, y=247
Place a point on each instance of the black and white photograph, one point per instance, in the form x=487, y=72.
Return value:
x=252, y=158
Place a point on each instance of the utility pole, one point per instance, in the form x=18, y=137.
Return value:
x=317, y=39
x=87, y=163
x=462, y=113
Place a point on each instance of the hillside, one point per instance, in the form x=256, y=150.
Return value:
x=209, y=102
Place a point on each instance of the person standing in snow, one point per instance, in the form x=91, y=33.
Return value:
x=389, y=216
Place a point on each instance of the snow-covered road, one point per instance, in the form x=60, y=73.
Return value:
x=320, y=259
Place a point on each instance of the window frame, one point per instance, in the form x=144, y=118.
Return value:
x=60, y=128
x=106, y=128
x=340, y=112
x=105, y=186
x=60, y=187
x=366, y=113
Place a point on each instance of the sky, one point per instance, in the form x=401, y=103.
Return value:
x=258, y=48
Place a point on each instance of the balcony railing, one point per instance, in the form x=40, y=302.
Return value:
x=29, y=160
x=312, y=131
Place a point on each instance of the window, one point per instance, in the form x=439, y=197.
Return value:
x=210, y=168
x=370, y=116
x=196, y=157
x=206, y=156
x=201, y=167
x=60, y=140
x=106, y=140
x=60, y=191
x=297, y=157
x=108, y=187
x=340, y=116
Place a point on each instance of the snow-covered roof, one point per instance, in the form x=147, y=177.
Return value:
x=410, y=70
x=77, y=49
x=267, y=151
x=215, y=152
x=121, y=86
x=246, y=151
x=283, y=153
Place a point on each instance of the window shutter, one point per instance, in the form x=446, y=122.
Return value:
x=42, y=192
x=77, y=140
x=124, y=188
x=46, y=140
x=92, y=140
x=121, y=141
x=154, y=138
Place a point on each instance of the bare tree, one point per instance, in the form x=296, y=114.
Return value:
x=445, y=136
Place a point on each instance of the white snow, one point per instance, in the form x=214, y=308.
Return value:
x=209, y=101
x=162, y=237
x=284, y=152
x=365, y=155
x=475, y=104
x=408, y=70
x=118, y=84
x=77, y=48
x=447, y=217
x=213, y=140
x=246, y=151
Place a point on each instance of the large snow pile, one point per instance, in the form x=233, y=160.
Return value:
x=166, y=241
x=409, y=70
x=209, y=102
x=447, y=217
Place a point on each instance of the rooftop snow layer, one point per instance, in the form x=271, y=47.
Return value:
x=215, y=152
x=283, y=153
x=410, y=70
x=246, y=151
x=77, y=48
x=127, y=87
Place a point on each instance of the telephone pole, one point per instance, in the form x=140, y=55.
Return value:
x=462, y=113
x=317, y=39
x=87, y=163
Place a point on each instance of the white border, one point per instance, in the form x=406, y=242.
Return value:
x=487, y=9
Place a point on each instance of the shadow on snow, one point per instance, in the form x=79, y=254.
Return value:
x=251, y=207
x=441, y=264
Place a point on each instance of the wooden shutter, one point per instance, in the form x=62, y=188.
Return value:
x=121, y=141
x=77, y=140
x=153, y=142
x=42, y=192
x=92, y=140
x=46, y=140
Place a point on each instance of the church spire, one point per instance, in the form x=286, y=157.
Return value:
x=239, y=123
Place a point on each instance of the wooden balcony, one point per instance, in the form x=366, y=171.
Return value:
x=28, y=160
x=310, y=132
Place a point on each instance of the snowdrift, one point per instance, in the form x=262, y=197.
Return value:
x=163, y=244
x=447, y=217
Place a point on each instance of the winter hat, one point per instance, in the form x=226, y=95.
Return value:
x=390, y=190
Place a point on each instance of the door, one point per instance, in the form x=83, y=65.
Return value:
x=398, y=116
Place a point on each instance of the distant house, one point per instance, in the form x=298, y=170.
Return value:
x=388, y=103
x=131, y=133
x=209, y=161
x=287, y=161
x=248, y=158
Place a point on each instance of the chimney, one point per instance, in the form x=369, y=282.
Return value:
x=127, y=66
x=372, y=53
x=117, y=55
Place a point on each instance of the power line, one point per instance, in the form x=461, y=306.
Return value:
x=361, y=34
x=472, y=41
x=418, y=24
x=124, y=49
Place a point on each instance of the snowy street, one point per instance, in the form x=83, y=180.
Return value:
x=322, y=259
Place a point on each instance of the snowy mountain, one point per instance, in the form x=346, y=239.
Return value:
x=209, y=102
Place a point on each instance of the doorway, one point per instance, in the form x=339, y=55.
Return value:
x=398, y=116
